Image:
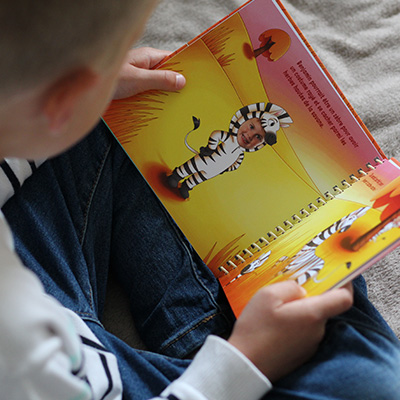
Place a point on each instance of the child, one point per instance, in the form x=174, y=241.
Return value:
x=250, y=129
x=88, y=210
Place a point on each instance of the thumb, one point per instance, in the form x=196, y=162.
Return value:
x=136, y=80
x=148, y=79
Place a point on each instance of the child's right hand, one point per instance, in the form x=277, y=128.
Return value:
x=280, y=328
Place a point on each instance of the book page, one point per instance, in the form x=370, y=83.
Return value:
x=331, y=246
x=253, y=59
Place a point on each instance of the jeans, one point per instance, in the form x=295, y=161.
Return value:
x=88, y=213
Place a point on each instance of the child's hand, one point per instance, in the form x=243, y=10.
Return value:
x=136, y=75
x=280, y=329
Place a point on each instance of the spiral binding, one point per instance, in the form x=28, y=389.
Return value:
x=294, y=219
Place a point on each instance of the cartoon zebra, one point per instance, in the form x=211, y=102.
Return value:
x=250, y=129
x=306, y=264
x=251, y=267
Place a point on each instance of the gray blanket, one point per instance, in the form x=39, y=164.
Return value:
x=359, y=43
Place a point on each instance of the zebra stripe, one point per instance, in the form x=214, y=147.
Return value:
x=306, y=264
x=245, y=111
x=286, y=115
x=268, y=107
x=194, y=166
x=217, y=151
x=187, y=169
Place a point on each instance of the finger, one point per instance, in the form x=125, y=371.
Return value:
x=158, y=80
x=327, y=305
x=349, y=286
x=284, y=292
x=136, y=80
x=146, y=57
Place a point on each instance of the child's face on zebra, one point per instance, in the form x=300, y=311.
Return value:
x=250, y=134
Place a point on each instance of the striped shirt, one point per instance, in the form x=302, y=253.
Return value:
x=13, y=173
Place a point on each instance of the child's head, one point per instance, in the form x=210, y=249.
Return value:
x=257, y=124
x=59, y=63
x=251, y=134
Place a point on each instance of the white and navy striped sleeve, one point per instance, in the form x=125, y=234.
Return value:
x=13, y=173
x=99, y=366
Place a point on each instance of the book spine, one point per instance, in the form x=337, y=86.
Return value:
x=289, y=223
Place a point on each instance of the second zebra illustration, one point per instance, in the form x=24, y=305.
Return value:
x=250, y=129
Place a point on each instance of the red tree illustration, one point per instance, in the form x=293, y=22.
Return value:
x=274, y=43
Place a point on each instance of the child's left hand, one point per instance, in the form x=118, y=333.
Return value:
x=136, y=75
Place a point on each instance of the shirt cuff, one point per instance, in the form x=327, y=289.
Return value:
x=221, y=372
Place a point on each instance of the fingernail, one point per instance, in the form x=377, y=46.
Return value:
x=180, y=81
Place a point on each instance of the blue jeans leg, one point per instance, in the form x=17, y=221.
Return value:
x=89, y=212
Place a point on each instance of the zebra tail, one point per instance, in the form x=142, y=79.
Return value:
x=196, y=123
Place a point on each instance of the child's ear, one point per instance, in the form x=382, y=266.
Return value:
x=62, y=96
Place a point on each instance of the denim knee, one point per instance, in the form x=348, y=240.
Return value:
x=354, y=361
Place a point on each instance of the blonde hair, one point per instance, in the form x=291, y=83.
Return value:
x=39, y=39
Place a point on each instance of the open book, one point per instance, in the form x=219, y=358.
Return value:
x=260, y=159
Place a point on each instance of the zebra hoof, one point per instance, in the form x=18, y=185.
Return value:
x=172, y=181
x=184, y=190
